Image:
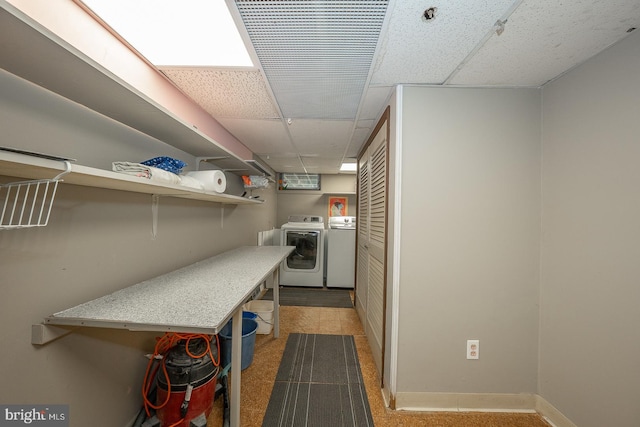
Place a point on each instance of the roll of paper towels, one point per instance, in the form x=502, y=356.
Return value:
x=213, y=180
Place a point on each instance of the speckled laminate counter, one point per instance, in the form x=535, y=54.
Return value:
x=199, y=298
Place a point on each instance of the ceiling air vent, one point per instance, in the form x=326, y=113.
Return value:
x=316, y=55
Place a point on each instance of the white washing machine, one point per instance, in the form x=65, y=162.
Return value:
x=305, y=265
x=341, y=252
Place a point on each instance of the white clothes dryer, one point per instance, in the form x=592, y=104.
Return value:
x=341, y=252
x=305, y=265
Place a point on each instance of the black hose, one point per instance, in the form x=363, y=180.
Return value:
x=225, y=399
x=142, y=415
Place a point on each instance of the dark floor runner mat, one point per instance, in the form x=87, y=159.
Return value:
x=313, y=297
x=319, y=383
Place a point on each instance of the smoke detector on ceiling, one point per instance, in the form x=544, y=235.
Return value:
x=430, y=14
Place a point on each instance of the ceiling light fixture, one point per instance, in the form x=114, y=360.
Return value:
x=176, y=32
x=348, y=167
x=499, y=26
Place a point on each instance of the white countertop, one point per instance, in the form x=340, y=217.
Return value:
x=199, y=298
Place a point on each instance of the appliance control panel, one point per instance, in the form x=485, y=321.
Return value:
x=342, y=222
x=310, y=219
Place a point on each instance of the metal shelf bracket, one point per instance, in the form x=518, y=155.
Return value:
x=43, y=334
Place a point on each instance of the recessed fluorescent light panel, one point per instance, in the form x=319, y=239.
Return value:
x=348, y=167
x=176, y=32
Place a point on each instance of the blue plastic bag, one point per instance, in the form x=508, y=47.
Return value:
x=166, y=163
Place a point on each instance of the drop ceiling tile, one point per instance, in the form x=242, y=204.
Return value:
x=542, y=40
x=225, y=92
x=260, y=136
x=415, y=50
x=322, y=165
x=360, y=136
x=284, y=163
x=375, y=101
x=321, y=136
x=366, y=124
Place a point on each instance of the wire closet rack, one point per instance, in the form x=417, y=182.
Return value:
x=28, y=203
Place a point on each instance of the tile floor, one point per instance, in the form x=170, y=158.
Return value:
x=258, y=379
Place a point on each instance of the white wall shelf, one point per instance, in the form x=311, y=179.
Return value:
x=29, y=167
x=34, y=53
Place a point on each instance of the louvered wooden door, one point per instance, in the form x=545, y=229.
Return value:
x=362, y=264
x=372, y=212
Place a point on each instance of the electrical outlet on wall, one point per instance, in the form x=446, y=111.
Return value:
x=473, y=349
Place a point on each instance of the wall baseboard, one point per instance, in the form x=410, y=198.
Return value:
x=482, y=402
x=465, y=402
x=552, y=414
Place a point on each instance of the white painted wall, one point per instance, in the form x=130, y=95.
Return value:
x=589, y=322
x=470, y=240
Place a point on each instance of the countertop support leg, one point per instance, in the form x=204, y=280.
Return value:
x=236, y=364
x=276, y=303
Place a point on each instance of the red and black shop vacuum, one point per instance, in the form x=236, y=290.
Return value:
x=181, y=388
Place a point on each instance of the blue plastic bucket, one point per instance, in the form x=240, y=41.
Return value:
x=250, y=315
x=249, y=328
